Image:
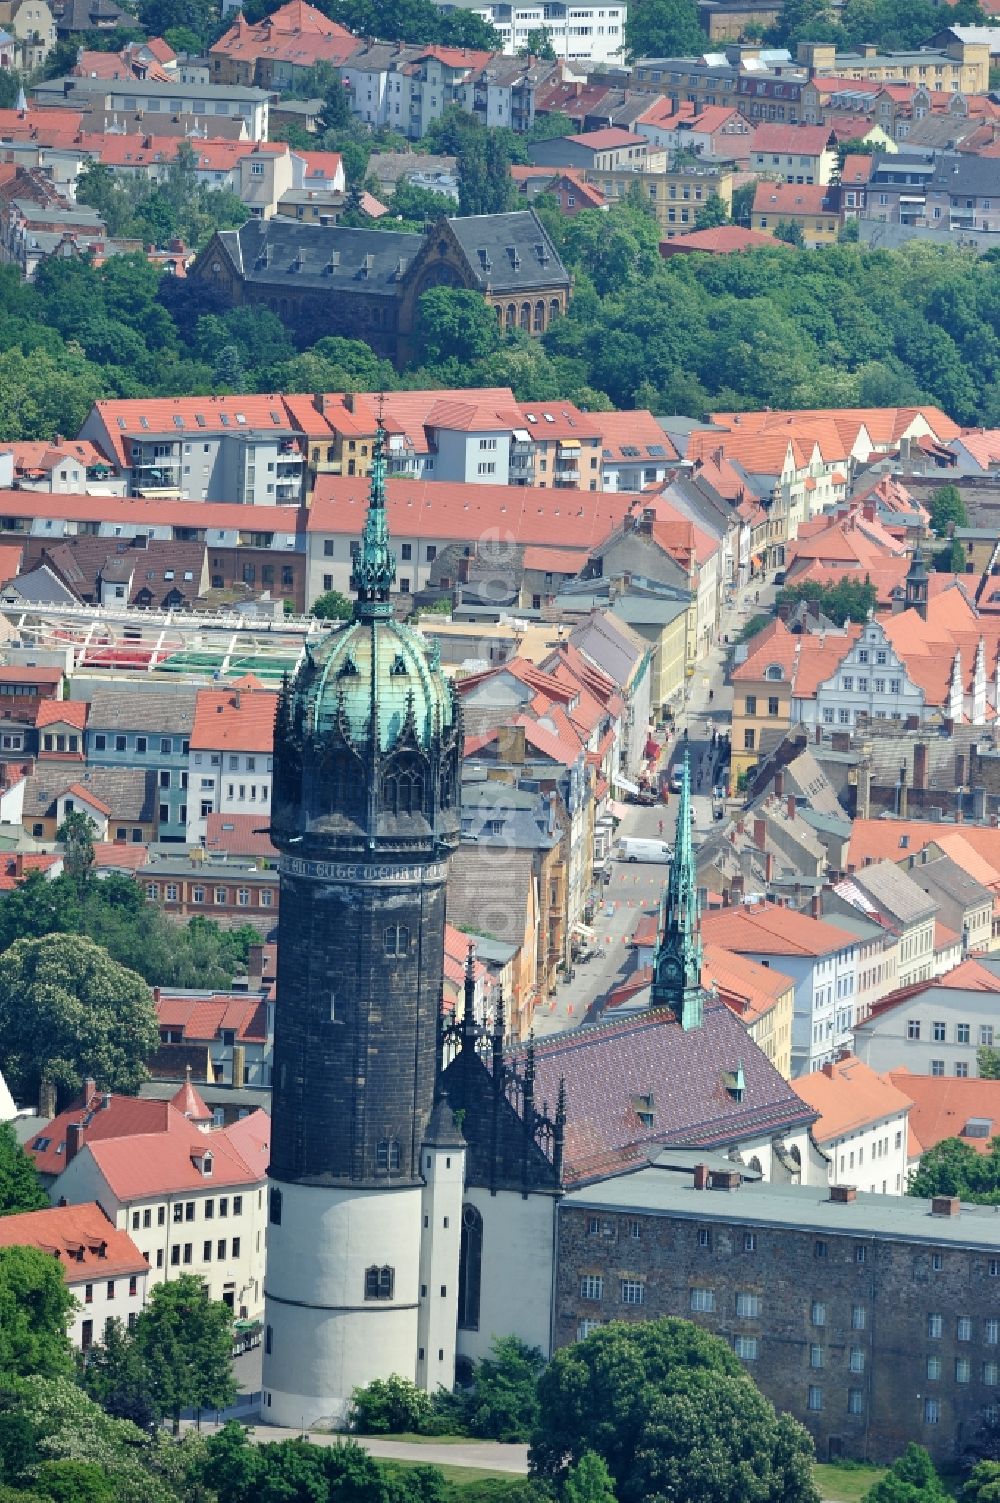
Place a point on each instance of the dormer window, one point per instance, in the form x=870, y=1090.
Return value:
x=735, y=1082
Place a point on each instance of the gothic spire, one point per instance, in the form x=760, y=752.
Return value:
x=677, y=960
x=375, y=566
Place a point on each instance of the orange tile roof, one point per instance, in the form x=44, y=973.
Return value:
x=234, y=721
x=202, y=1018
x=747, y=988
x=190, y=1105
x=943, y=1106
x=849, y=1097
x=124, y=1116
x=117, y=856
x=892, y=839
x=81, y=1237
x=791, y=198
x=89, y=797
x=142, y=417
x=721, y=241
x=238, y=835
x=856, y=169
x=637, y=429
x=62, y=712
x=802, y=140
x=166, y=1163
x=767, y=929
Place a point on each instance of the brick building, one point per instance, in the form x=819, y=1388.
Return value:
x=874, y=1320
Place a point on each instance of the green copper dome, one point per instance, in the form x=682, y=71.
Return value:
x=381, y=663
x=375, y=663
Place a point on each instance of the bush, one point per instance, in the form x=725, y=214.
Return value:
x=390, y=1406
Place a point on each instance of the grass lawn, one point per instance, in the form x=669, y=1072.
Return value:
x=461, y=1477
x=843, y=1484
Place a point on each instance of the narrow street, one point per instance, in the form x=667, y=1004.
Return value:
x=636, y=887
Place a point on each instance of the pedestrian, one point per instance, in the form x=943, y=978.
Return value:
x=711, y=695
x=661, y=826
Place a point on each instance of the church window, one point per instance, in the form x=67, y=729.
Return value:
x=539, y=317
x=387, y=1156
x=274, y=1207
x=397, y=939
x=379, y=1282
x=470, y=1268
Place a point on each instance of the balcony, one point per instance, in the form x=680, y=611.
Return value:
x=287, y=471
x=286, y=493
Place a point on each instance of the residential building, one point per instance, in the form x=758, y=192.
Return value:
x=230, y=756
x=943, y=1107
x=635, y=450
x=226, y=102
x=888, y=892
x=760, y=996
x=866, y=1317
x=935, y=1030
x=135, y=726
x=230, y=890
x=675, y=193
x=960, y=67
x=718, y=133
x=222, y=1038
x=378, y=277
x=599, y=151
x=794, y=153
x=577, y=30
x=104, y=1270
x=275, y=52
x=242, y=449
x=819, y=957
x=192, y=1199
x=862, y=1124
x=121, y=803
x=30, y=26
x=964, y=903
x=813, y=209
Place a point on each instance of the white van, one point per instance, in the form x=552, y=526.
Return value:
x=643, y=850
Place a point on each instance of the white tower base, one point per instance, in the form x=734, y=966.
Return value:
x=323, y=1337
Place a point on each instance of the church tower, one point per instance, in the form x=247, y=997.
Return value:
x=677, y=960
x=365, y=815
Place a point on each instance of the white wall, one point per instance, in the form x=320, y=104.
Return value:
x=885, y=1041
x=100, y=1307
x=232, y=782
x=322, y=1338
x=871, y=1158
x=441, y=1235
x=517, y=1270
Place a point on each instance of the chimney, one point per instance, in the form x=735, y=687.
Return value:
x=239, y=1066
x=737, y=888
x=724, y=1179
x=816, y=906
x=74, y=1138
x=46, y=1100
x=904, y=794
x=863, y=802
x=768, y=868
x=946, y=1205
x=510, y=744
x=959, y=769
x=779, y=783
x=791, y=806
x=920, y=765
x=843, y=1194
x=759, y=834
x=255, y=963
x=701, y=1176
x=89, y=1091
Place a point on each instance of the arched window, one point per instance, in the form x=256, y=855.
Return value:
x=397, y=940
x=773, y=671
x=387, y=1156
x=539, y=316
x=511, y=315
x=526, y=317
x=274, y=1206
x=379, y=1282
x=554, y=309
x=470, y=1268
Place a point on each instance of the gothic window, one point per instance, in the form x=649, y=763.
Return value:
x=274, y=1207
x=511, y=315
x=397, y=939
x=553, y=308
x=403, y=792
x=387, y=1156
x=470, y=1268
x=379, y=1282
x=526, y=317
x=539, y=316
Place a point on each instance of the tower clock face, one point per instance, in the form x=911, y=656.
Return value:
x=670, y=970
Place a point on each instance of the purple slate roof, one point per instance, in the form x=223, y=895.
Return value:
x=607, y=1068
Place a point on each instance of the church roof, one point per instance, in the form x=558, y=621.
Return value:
x=612, y=1071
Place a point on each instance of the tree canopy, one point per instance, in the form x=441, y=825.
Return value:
x=672, y=1413
x=67, y=1010
x=910, y=1479
x=955, y=1168
x=947, y=509
x=184, y=1340
x=35, y=1308
x=20, y=1187
x=847, y=600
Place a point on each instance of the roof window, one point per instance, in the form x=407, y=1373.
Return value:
x=178, y=421
x=144, y=422
x=199, y=418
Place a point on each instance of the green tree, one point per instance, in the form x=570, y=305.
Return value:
x=847, y=600
x=948, y=510
x=672, y=1414
x=790, y=231
x=20, y=1187
x=35, y=1309
x=952, y=1167
x=589, y=1481
x=664, y=28
x=742, y=209
x=67, y=1010
x=950, y=559
x=185, y=1342
x=74, y=1482
x=389, y=1406
x=76, y=834
x=539, y=44
x=504, y=1403
x=115, y=1376
x=228, y=373
x=453, y=325
x=332, y=606
x=711, y=213
x=988, y=1062
x=983, y=1485
x=910, y=1479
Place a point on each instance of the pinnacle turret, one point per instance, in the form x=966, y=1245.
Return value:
x=375, y=566
x=677, y=961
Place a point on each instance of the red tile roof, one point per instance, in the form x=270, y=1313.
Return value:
x=942, y=1108
x=767, y=929
x=89, y=797
x=117, y=856
x=798, y=140
x=124, y=1116
x=138, y=511
x=849, y=1097
x=202, y=1019
x=239, y=835
x=190, y=1105
x=234, y=721
x=62, y=712
x=81, y=1237
x=750, y=990
x=166, y=1163
x=720, y=241
x=10, y=674
x=790, y=198
x=610, y=138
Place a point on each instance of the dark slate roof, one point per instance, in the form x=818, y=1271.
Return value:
x=976, y=176
x=160, y=708
x=608, y=1067
x=509, y=252
x=41, y=587
x=128, y=793
x=269, y=250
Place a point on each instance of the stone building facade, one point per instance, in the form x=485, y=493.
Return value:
x=874, y=1320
